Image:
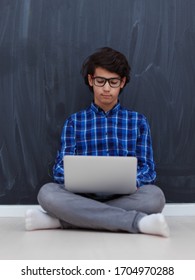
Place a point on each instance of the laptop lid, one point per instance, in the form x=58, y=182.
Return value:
x=104, y=174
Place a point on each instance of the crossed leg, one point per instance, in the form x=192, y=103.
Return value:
x=133, y=213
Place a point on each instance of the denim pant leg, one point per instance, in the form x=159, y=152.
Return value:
x=148, y=199
x=83, y=212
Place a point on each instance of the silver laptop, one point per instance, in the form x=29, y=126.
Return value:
x=100, y=174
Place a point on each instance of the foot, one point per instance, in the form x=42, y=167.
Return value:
x=154, y=224
x=37, y=219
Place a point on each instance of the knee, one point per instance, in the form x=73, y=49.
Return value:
x=45, y=194
x=158, y=199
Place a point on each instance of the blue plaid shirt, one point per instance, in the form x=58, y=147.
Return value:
x=119, y=132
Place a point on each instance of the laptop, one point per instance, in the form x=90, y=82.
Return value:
x=100, y=174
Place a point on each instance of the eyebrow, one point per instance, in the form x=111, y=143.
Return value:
x=106, y=78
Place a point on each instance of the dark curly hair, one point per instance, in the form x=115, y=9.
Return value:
x=109, y=59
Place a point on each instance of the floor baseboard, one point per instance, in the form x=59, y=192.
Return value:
x=171, y=209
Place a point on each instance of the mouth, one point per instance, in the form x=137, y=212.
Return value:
x=106, y=96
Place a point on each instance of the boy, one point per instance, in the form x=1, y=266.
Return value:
x=104, y=128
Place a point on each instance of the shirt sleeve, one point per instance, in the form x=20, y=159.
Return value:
x=146, y=168
x=67, y=148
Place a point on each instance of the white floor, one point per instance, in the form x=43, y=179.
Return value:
x=18, y=244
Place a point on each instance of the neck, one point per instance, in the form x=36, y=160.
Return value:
x=105, y=108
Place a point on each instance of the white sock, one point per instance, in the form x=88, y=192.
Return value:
x=154, y=224
x=37, y=219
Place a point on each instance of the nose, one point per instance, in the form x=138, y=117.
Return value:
x=107, y=86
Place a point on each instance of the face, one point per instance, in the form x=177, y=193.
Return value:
x=106, y=97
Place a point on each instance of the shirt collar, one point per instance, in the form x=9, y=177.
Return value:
x=98, y=109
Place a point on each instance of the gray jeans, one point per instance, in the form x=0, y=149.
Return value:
x=119, y=213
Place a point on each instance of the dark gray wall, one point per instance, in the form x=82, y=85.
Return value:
x=42, y=46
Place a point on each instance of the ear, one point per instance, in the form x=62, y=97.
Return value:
x=90, y=80
x=123, y=82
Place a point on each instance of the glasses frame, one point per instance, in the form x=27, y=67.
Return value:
x=107, y=80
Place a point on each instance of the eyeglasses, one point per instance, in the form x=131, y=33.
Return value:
x=113, y=82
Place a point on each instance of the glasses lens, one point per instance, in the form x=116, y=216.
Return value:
x=115, y=82
x=100, y=82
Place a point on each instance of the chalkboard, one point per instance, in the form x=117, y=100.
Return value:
x=42, y=46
